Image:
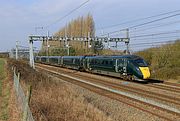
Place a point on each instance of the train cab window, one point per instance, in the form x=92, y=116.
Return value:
x=140, y=62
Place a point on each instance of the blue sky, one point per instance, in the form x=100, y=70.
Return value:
x=18, y=18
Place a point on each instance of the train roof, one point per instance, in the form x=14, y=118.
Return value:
x=103, y=56
x=116, y=56
x=72, y=56
x=48, y=56
x=55, y=56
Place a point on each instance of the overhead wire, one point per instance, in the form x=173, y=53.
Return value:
x=155, y=34
x=165, y=37
x=63, y=17
x=170, y=41
x=154, y=21
x=140, y=19
x=157, y=26
x=142, y=24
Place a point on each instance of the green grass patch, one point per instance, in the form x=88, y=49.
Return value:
x=4, y=93
x=5, y=102
x=2, y=75
x=0, y=88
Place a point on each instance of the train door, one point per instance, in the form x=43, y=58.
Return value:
x=84, y=63
x=117, y=65
x=125, y=66
x=88, y=63
x=122, y=66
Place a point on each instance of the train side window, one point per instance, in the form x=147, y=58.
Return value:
x=106, y=62
x=95, y=62
x=111, y=62
x=98, y=62
x=74, y=60
x=92, y=61
x=103, y=62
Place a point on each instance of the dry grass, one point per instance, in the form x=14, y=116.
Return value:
x=56, y=100
x=62, y=104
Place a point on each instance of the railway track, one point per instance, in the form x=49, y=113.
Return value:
x=166, y=86
x=172, y=84
x=130, y=96
x=132, y=89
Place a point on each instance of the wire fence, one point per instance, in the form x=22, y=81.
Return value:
x=22, y=99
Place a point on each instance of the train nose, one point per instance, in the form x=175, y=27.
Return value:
x=145, y=72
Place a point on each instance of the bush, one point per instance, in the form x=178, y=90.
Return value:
x=164, y=61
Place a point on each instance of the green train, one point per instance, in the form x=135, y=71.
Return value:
x=128, y=67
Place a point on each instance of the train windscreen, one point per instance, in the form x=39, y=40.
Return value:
x=140, y=62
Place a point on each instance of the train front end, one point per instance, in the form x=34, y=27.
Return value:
x=141, y=69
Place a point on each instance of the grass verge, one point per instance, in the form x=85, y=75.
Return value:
x=8, y=107
x=4, y=92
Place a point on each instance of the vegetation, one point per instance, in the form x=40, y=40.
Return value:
x=164, y=61
x=55, y=99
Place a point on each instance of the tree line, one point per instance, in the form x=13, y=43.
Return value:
x=83, y=26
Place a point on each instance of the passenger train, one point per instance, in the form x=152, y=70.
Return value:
x=128, y=67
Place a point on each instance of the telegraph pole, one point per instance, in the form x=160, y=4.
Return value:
x=47, y=43
x=89, y=38
x=67, y=44
x=31, y=54
x=127, y=43
x=16, y=50
x=108, y=41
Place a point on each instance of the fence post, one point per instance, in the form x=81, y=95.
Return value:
x=18, y=79
x=25, y=113
x=14, y=73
